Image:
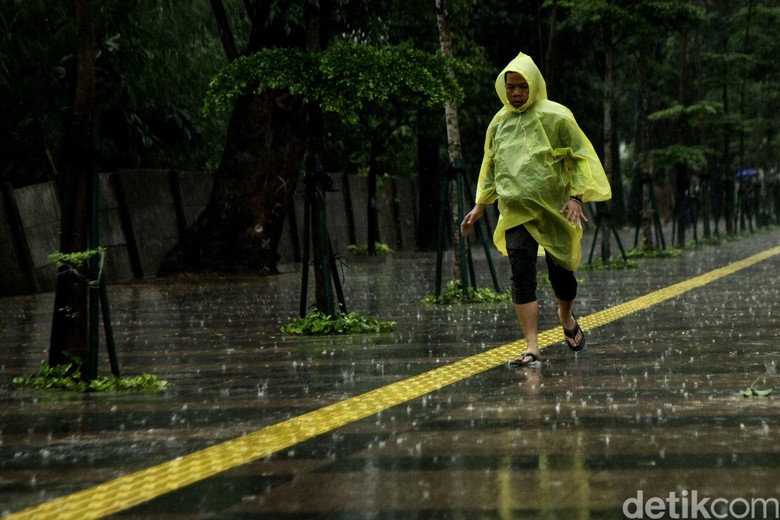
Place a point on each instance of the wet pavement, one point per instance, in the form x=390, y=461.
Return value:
x=644, y=420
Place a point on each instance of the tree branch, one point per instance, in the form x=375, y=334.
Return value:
x=225, y=33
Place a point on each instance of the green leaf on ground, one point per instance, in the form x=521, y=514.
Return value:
x=754, y=392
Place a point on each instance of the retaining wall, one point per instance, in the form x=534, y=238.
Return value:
x=144, y=212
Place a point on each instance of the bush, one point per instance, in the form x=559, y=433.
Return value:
x=318, y=323
x=68, y=377
x=362, y=249
x=454, y=294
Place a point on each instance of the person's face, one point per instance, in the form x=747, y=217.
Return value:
x=516, y=89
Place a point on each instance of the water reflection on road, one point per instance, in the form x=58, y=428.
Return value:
x=649, y=405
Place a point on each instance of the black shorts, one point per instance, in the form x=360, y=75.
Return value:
x=522, y=249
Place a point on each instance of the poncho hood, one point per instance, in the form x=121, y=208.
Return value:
x=525, y=66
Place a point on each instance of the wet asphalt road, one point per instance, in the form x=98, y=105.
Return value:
x=647, y=411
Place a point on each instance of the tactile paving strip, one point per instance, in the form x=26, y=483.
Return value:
x=141, y=486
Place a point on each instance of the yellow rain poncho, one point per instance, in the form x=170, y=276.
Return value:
x=535, y=158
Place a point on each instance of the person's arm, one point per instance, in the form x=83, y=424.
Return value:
x=486, y=183
x=588, y=180
x=486, y=188
x=471, y=218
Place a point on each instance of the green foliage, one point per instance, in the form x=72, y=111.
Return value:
x=68, y=377
x=155, y=60
x=453, y=293
x=693, y=157
x=76, y=259
x=317, y=323
x=75, y=263
x=614, y=263
x=703, y=242
x=696, y=113
x=355, y=74
x=361, y=249
x=639, y=252
x=342, y=79
x=754, y=392
x=68, y=312
x=636, y=19
x=280, y=68
x=153, y=63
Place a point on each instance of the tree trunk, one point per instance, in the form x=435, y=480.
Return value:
x=429, y=180
x=743, y=209
x=315, y=41
x=549, y=55
x=225, y=34
x=705, y=178
x=372, y=206
x=257, y=176
x=70, y=325
x=726, y=174
x=681, y=195
x=453, y=131
x=617, y=207
x=267, y=138
x=618, y=202
x=742, y=86
x=609, y=67
x=644, y=170
x=681, y=170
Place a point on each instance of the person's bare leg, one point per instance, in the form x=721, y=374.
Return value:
x=567, y=321
x=528, y=315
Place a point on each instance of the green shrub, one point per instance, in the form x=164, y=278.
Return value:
x=362, y=249
x=613, y=263
x=318, y=323
x=68, y=377
x=454, y=294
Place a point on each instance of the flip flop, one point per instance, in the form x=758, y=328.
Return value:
x=572, y=334
x=519, y=361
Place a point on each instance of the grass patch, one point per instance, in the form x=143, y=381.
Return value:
x=655, y=252
x=453, y=293
x=362, y=249
x=68, y=377
x=613, y=263
x=319, y=324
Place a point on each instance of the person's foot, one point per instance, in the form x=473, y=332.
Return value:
x=572, y=332
x=525, y=359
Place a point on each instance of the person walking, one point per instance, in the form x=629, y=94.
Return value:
x=541, y=168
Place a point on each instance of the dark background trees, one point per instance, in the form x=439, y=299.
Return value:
x=155, y=59
x=153, y=62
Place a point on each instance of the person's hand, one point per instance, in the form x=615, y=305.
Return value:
x=470, y=219
x=574, y=212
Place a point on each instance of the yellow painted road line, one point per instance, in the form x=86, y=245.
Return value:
x=133, y=489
